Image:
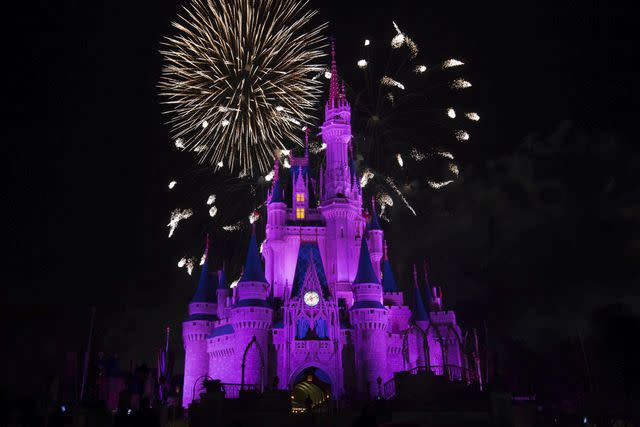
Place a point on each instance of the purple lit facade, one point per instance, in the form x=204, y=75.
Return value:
x=326, y=298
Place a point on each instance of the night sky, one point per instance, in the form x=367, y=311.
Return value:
x=541, y=232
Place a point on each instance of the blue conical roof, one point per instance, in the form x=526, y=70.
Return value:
x=253, y=267
x=222, y=280
x=276, y=192
x=388, y=280
x=206, y=290
x=365, y=272
x=419, y=312
x=375, y=223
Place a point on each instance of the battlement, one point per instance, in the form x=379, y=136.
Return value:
x=393, y=300
x=439, y=317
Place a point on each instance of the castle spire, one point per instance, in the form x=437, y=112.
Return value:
x=419, y=312
x=375, y=224
x=205, y=292
x=253, y=267
x=388, y=280
x=365, y=272
x=333, y=86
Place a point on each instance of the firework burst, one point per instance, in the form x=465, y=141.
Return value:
x=238, y=79
x=407, y=119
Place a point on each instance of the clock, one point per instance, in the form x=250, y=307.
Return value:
x=311, y=298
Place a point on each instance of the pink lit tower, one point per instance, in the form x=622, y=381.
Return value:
x=320, y=306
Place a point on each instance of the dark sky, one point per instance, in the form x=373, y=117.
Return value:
x=542, y=229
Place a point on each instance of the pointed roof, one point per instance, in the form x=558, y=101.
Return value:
x=276, y=191
x=222, y=280
x=365, y=272
x=205, y=292
x=374, y=224
x=253, y=267
x=388, y=280
x=309, y=253
x=419, y=312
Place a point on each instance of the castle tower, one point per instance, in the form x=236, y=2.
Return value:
x=369, y=320
x=341, y=202
x=195, y=330
x=375, y=237
x=275, y=234
x=251, y=319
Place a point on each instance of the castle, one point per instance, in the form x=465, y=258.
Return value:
x=325, y=313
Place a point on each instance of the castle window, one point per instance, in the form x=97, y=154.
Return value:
x=299, y=197
x=299, y=213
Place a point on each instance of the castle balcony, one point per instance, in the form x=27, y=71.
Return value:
x=318, y=346
x=312, y=217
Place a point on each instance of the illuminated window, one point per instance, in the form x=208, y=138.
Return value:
x=299, y=197
x=299, y=213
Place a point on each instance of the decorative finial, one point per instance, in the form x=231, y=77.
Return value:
x=386, y=253
x=415, y=276
x=206, y=247
x=426, y=273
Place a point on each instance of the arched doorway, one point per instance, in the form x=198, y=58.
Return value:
x=311, y=382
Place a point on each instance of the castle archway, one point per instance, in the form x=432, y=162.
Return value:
x=311, y=382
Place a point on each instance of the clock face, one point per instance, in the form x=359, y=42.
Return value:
x=311, y=298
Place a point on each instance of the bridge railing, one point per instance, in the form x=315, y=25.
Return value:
x=451, y=372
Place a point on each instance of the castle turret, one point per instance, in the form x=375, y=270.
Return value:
x=251, y=319
x=196, y=328
x=369, y=319
x=341, y=204
x=375, y=237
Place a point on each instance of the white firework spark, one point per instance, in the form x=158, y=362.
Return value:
x=462, y=135
x=451, y=113
x=452, y=63
x=416, y=154
x=454, y=169
x=388, y=81
x=213, y=211
x=420, y=69
x=178, y=215
x=366, y=176
x=211, y=199
x=473, y=116
x=399, y=159
x=446, y=154
x=438, y=185
x=172, y=184
x=460, y=84
x=232, y=227
x=362, y=63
